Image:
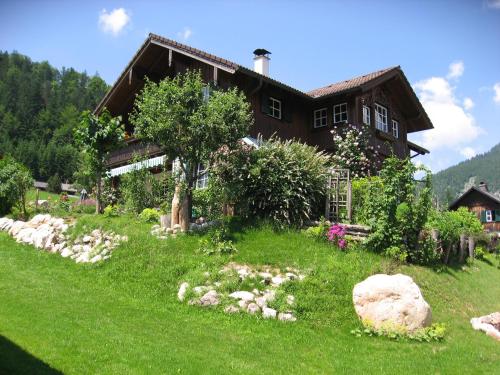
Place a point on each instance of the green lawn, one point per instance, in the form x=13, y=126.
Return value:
x=123, y=317
x=44, y=195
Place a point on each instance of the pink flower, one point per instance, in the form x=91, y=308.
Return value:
x=342, y=243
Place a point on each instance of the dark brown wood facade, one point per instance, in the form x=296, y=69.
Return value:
x=485, y=205
x=159, y=58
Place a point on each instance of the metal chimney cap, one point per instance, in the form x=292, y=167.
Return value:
x=261, y=52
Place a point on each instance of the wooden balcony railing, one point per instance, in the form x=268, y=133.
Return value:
x=126, y=154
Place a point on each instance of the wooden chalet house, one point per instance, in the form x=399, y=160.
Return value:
x=484, y=204
x=383, y=99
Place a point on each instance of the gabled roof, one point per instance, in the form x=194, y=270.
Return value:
x=473, y=189
x=339, y=87
x=361, y=82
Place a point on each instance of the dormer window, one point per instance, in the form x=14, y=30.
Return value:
x=275, y=108
x=395, y=128
x=320, y=118
x=381, y=118
x=340, y=113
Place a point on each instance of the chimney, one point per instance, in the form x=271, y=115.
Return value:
x=483, y=186
x=261, y=61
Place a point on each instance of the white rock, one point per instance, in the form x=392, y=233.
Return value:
x=95, y=259
x=243, y=304
x=290, y=299
x=66, y=252
x=26, y=235
x=176, y=226
x=488, y=324
x=261, y=302
x=243, y=295
x=16, y=227
x=169, y=231
x=231, y=309
x=385, y=301
x=87, y=239
x=266, y=275
x=269, y=313
x=286, y=317
x=210, y=298
x=291, y=276
x=277, y=280
x=6, y=224
x=77, y=248
x=253, y=308
x=200, y=289
x=86, y=248
x=181, y=294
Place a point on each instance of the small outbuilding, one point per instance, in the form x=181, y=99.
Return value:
x=484, y=204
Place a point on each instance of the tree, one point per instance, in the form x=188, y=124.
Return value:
x=54, y=184
x=98, y=136
x=15, y=181
x=190, y=121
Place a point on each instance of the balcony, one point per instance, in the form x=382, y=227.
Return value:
x=126, y=154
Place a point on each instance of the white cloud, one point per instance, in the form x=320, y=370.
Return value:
x=493, y=4
x=454, y=126
x=496, y=88
x=455, y=70
x=185, y=34
x=468, y=152
x=114, y=21
x=468, y=104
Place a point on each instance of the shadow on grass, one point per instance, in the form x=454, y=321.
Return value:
x=14, y=360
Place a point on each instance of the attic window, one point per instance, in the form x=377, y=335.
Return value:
x=340, y=113
x=381, y=118
x=275, y=108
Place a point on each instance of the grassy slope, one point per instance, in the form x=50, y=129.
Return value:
x=123, y=316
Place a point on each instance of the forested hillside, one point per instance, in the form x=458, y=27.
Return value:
x=449, y=183
x=39, y=107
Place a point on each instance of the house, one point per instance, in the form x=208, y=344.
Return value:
x=384, y=100
x=484, y=204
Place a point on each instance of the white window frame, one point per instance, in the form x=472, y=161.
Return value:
x=367, y=115
x=320, y=118
x=489, y=216
x=275, y=108
x=340, y=110
x=202, y=180
x=395, y=128
x=381, y=117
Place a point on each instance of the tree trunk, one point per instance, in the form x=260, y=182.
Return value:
x=98, y=204
x=472, y=246
x=184, y=216
x=175, y=206
x=462, y=248
x=447, y=254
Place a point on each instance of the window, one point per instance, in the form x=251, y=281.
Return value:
x=367, y=115
x=395, y=128
x=489, y=216
x=381, y=118
x=202, y=181
x=275, y=108
x=340, y=113
x=320, y=118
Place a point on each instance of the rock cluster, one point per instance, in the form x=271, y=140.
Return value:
x=48, y=233
x=385, y=301
x=163, y=233
x=255, y=302
x=489, y=324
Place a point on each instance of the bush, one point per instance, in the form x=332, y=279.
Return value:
x=141, y=189
x=217, y=243
x=149, y=215
x=54, y=184
x=111, y=211
x=15, y=181
x=396, y=208
x=284, y=181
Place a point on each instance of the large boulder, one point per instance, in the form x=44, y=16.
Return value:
x=391, y=301
x=489, y=324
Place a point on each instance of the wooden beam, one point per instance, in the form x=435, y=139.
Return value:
x=169, y=58
x=216, y=71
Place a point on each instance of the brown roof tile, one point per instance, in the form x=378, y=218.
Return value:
x=339, y=87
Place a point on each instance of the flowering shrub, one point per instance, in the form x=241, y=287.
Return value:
x=336, y=234
x=353, y=150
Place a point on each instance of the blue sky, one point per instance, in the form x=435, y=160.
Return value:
x=449, y=50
